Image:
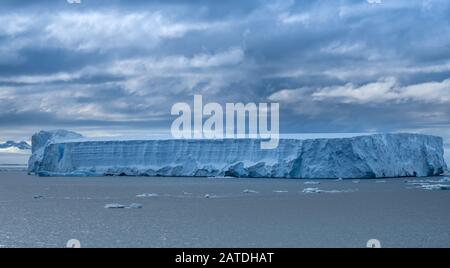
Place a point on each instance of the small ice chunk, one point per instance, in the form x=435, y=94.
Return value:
x=380, y=181
x=114, y=205
x=317, y=190
x=280, y=191
x=135, y=205
x=336, y=191
x=210, y=196
x=435, y=187
x=147, y=195
x=38, y=197
x=356, y=181
x=339, y=179
x=311, y=191
x=311, y=182
x=248, y=191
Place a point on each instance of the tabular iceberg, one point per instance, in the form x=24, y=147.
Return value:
x=64, y=153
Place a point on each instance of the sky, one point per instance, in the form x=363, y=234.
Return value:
x=117, y=67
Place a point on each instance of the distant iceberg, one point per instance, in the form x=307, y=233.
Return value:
x=65, y=153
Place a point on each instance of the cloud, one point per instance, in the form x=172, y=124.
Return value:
x=301, y=18
x=145, y=89
x=104, y=30
x=98, y=31
x=373, y=2
x=231, y=56
x=381, y=91
x=387, y=90
x=334, y=65
x=14, y=24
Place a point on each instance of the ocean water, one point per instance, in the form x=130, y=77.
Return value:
x=207, y=212
x=14, y=158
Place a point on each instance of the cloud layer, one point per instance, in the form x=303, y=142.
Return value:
x=334, y=66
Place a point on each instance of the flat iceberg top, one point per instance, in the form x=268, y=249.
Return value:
x=293, y=136
x=287, y=137
x=367, y=156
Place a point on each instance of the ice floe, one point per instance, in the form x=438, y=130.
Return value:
x=317, y=190
x=430, y=184
x=147, y=195
x=114, y=206
x=135, y=205
x=210, y=196
x=311, y=190
x=435, y=187
x=249, y=191
x=120, y=206
x=311, y=182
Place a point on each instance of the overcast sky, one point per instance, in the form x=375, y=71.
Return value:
x=115, y=66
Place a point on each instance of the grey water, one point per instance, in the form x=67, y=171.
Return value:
x=221, y=212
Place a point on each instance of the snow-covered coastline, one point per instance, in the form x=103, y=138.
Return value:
x=63, y=153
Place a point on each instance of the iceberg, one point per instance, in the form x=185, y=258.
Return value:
x=65, y=153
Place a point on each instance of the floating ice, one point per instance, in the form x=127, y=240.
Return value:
x=317, y=190
x=248, y=191
x=134, y=205
x=114, y=206
x=428, y=181
x=280, y=191
x=64, y=153
x=311, y=182
x=435, y=187
x=147, y=195
x=311, y=190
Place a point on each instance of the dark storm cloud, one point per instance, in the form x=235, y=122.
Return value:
x=334, y=66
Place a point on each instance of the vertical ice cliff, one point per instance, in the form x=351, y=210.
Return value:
x=40, y=140
x=64, y=153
